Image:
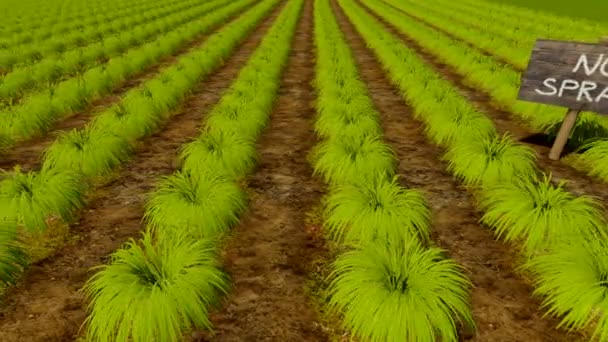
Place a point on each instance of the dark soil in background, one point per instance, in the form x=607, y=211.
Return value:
x=47, y=305
x=501, y=301
x=270, y=256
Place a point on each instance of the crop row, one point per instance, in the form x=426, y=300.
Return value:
x=175, y=264
x=78, y=158
x=502, y=82
x=113, y=21
x=142, y=28
x=389, y=283
x=59, y=20
x=40, y=110
x=534, y=21
x=519, y=203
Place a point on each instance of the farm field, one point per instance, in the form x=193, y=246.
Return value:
x=293, y=170
x=588, y=9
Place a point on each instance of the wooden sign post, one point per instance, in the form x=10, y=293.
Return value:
x=568, y=74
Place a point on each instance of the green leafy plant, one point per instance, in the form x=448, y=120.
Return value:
x=353, y=159
x=540, y=213
x=88, y=151
x=226, y=152
x=13, y=256
x=378, y=209
x=573, y=279
x=203, y=204
x=400, y=291
x=596, y=156
x=490, y=160
x=154, y=291
x=29, y=199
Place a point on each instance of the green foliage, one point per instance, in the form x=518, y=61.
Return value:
x=227, y=153
x=349, y=116
x=202, y=204
x=376, y=210
x=13, y=257
x=154, y=291
x=353, y=159
x=239, y=117
x=400, y=291
x=540, y=213
x=490, y=160
x=460, y=122
x=89, y=151
x=30, y=199
x=133, y=118
x=597, y=157
x=573, y=280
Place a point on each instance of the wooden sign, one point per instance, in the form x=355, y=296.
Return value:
x=568, y=74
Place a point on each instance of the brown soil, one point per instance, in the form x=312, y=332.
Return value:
x=28, y=154
x=579, y=183
x=501, y=300
x=271, y=254
x=46, y=305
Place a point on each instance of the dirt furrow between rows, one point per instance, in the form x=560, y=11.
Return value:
x=503, y=307
x=579, y=183
x=28, y=154
x=270, y=255
x=47, y=304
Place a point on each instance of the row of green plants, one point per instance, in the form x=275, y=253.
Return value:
x=388, y=282
x=513, y=46
x=559, y=233
x=111, y=21
x=78, y=159
x=530, y=19
x=22, y=16
x=175, y=265
x=142, y=28
x=502, y=82
x=39, y=111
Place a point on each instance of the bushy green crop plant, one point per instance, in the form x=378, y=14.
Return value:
x=347, y=112
x=376, y=210
x=153, y=291
x=596, y=155
x=226, y=152
x=353, y=159
x=29, y=199
x=239, y=118
x=203, y=204
x=540, y=213
x=490, y=160
x=133, y=118
x=13, y=256
x=461, y=121
x=400, y=291
x=573, y=279
x=91, y=152
x=32, y=117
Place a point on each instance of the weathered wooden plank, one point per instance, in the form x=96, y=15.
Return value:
x=568, y=74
